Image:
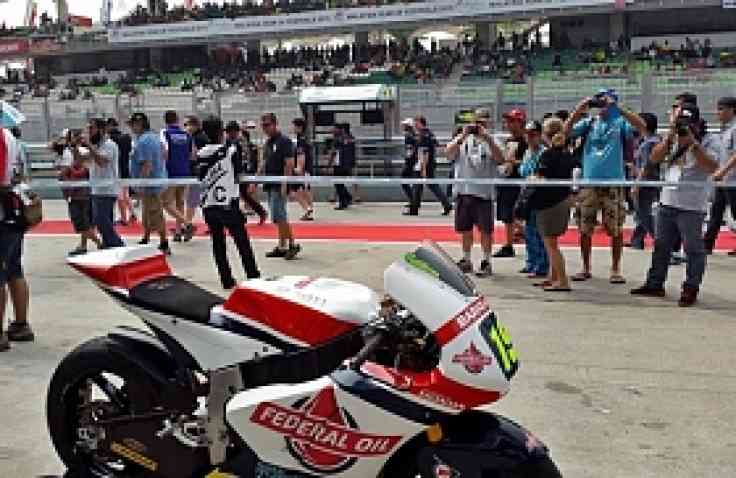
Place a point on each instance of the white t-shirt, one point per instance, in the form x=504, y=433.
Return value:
x=475, y=161
x=109, y=170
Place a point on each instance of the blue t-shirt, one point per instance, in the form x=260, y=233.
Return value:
x=179, y=146
x=603, y=153
x=147, y=147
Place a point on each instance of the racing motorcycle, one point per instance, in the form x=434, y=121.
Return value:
x=291, y=377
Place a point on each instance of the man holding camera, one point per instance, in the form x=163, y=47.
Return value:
x=605, y=135
x=478, y=157
x=690, y=155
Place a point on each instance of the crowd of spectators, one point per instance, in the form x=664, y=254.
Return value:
x=211, y=11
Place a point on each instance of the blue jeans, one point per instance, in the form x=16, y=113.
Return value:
x=673, y=223
x=536, y=256
x=102, y=217
x=644, y=218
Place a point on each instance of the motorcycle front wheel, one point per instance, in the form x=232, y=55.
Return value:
x=89, y=385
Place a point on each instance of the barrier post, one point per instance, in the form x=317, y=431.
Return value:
x=47, y=117
x=499, y=101
x=647, y=91
x=530, y=110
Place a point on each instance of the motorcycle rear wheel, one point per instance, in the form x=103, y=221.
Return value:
x=70, y=400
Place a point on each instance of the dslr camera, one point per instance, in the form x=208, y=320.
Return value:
x=598, y=101
x=473, y=129
x=685, y=124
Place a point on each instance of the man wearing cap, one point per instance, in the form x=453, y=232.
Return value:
x=605, y=135
x=516, y=147
x=688, y=154
x=410, y=160
x=478, y=157
x=723, y=195
x=146, y=162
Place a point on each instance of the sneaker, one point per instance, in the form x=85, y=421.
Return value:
x=276, y=252
x=505, y=252
x=486, y=270
x=144, y=242
x=164, y=247
x=308, y=216
x=18, y=332
x=293, y=252
x=465, y=265
x=688, y=297
x=647, y=291
x=447, y=211
x=177, y=237
x=188, y=232
x=77, y=252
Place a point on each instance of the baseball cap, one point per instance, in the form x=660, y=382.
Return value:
x=232, y=126
x=250, y=124
x=408, y=122
x=533, y=126
x=727, y=102
x=609, y=92
x=515, y=114
x=482, y=114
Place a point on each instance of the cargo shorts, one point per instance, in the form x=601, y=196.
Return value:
x=610, y=202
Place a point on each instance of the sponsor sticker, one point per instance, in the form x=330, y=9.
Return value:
x=439, y=399
x=320, y=435
x=133, y=456
x=472, y=313
x=472, y=359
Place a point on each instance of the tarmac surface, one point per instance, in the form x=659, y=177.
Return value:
x=615, y=386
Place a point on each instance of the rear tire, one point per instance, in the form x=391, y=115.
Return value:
x=544, y=468
x=65, y=405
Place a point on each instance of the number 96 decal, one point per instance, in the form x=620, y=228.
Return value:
x=499, y=339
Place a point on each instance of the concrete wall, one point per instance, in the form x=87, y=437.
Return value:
x=606, y=28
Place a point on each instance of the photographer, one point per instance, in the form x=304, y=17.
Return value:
x=605, y=135
x=478, y=156
x=689, y=154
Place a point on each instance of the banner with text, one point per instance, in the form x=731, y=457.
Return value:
x=339, y=18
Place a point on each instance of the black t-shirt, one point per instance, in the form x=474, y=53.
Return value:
x=303, y=146
x=410, y=151
x=555, y=163
x=428, y=144
x=200, y=139
x=125, y=146
x=345, y=148
x=276, y=152
x=519, y=155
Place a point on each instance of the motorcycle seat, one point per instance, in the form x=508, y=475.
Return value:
x=177, y=297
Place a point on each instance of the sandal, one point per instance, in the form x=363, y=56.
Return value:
x=543, y=284
x=617, y=279
x=582, y=276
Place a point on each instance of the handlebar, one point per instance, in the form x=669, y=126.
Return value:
x=371, y=345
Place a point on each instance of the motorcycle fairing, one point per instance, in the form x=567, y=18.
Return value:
x=478, y=445
x=303, y=310
x=122, y=268
x=318, y=428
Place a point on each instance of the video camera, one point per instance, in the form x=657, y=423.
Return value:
x=688, y=121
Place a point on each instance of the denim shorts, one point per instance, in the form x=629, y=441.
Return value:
x=277, y=206
x=11, y=252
